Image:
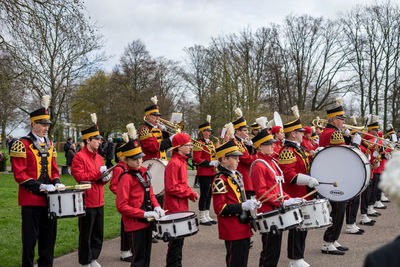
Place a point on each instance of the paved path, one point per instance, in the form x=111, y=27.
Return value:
x=205, y=249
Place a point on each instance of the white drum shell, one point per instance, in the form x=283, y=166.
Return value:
x=316, y=214
x=276, y=220
x=157, y=174
x=347, y=166
x=65, y=204
x=177, y=225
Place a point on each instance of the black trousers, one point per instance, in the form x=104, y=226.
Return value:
x=141, y=247
x=237, y=252
x=36, y=226
x=352, y=209
x=91, y=227
x=205, y=192
x=174, y=253
x=250, y=193
x=364, y=201
x=374, y=189
x=333, y=232
x=126, y=241
x=296, y=244
x=271, y=249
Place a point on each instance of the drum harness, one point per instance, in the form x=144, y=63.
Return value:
x=43, y=153
x=278, y=178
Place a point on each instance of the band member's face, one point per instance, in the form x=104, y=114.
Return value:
x=279, y=136
x=374, y=132
x=298, y=136
x=206, y=134
x=267, y=149
x=307, y=135
x=230, y=162
x=255, y=132
x=338, y=123
x=152, y=119
x=40, y=129
x=185, y=149
x=318, y=131
x=134, y=163
x=93, y=144
x=243, y=133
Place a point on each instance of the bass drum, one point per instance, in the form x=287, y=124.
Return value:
x=157, y=174
x=347, y=166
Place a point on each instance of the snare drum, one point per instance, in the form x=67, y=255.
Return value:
x=157, y=174
x=315, y=214
x=177, y=225
x=276, y=220
x=344, y=164
x=66, y=203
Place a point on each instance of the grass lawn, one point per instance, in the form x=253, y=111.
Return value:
x=67, y=232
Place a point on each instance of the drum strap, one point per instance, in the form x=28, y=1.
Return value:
x=146, y=206
x=279, y=178
x=123, y=171
x=43, y=153
x=239, y=182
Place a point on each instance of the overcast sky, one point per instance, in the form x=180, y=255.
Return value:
x=168, y=26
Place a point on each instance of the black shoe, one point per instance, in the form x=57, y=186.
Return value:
x=381, y=208
x=251, y=244
x=333, y=252
x=386, y=201
x=127, y=259
x=213, y=222
x=196, y=185
x=375, y=214
x=361, y=230
x=341, y=248
x=356, y=233
x=154, y=240
x=371, y=223
x=206, y=223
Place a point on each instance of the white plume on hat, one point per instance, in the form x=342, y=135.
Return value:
x=391, y=126
x=368, y=119
x=131, y=130
x=295, y=110
x=353, y=120
x=154, y=100
x=208, y=119
x=93, y=117
x=125, y=137
x=375, y=118
x=390, y=182
x=262, y=121
x=230, y=129
x=339, y=101
x=238, y=112
x=270, y=124
x=46, y=101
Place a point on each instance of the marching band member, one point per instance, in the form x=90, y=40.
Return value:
x=295, y=164
x=306, y=142
x=246, y=148
x=136, y=202
x=265, y=177
x=279, y=137
x=332, y=135
x=88, y=167
x=177, y=190
x=254, y=129
x=154, y=141
x=206, y=164
x=33, y=160
x=229, y=201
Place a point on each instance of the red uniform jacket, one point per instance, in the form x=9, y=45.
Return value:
x=202, y=158
x=306, y=143
x=177, y=190
x=244, y=164
x=26, y=167
x=331, y=136
x=264, y=179
x=130, y=197
x=277, y=149
x=227, y=205
x=367, y=154
x=86, y=168
x=294, y=160
x=117, y=171
x=152, y=143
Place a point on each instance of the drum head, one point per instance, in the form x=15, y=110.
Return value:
x=343, y=165
x=157, y=173
x=176, y=216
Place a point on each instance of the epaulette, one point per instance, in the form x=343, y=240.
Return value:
x=286, y=157
x=144, y=133
x=54, y=152
x=219, y=186
x=337, y=138
x=197, y=146
x=18, y=150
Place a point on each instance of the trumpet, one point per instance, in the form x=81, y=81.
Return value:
x=321, y=122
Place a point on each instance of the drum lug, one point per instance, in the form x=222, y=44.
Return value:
x=59, y=205
x=274, y=230
x=166, y=237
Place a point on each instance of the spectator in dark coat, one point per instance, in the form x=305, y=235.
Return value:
x=109, y=152
x=67, y=145
x=71, y=153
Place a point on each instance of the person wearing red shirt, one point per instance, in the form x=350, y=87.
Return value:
x=306, y=142
x=265, y=174
x=136, y=202
x=177, y=191
x=231, y=206
x=33, y=160
x=279, y=137
x=87, y=167
x=205, y=159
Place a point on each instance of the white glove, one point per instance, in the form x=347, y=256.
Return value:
x=357, y=139
x=151, y=214
x=106, y=178
x=346, y=132
x=303, y=179
x=250, y=204
x=248, y=142
x=378, y=164
x=385, y=143
x=47, y=187
x=213, y=163
x=375, y=154
x=159, y=211
x=293, y=201
x=171, y=136
x=103, y=169
x=394, y=137
x=58, y=185
x=388, y=155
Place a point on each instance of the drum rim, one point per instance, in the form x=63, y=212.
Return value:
x=192, y=216
x=66, y=191
x=179, y=237
x=163, y=161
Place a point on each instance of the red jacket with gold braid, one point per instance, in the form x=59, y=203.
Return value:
x=27, y=169
x=177, y=190
x=117, y=171
x=244, y=163
x=306, y=143
x=86, y=168
x=130, y=198
x=264, y=179
x=331, y=136
x=227, y=199
x=367, y=153
x=277, y=149
x=202, y=158
x=152, y=142
x=293, y=160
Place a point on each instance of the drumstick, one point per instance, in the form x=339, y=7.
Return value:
x=268, y=198
x=78, y=186
x=279, y=198
x=309, y=194
x=269, y=190
x=152, y=218
x=335, y=183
